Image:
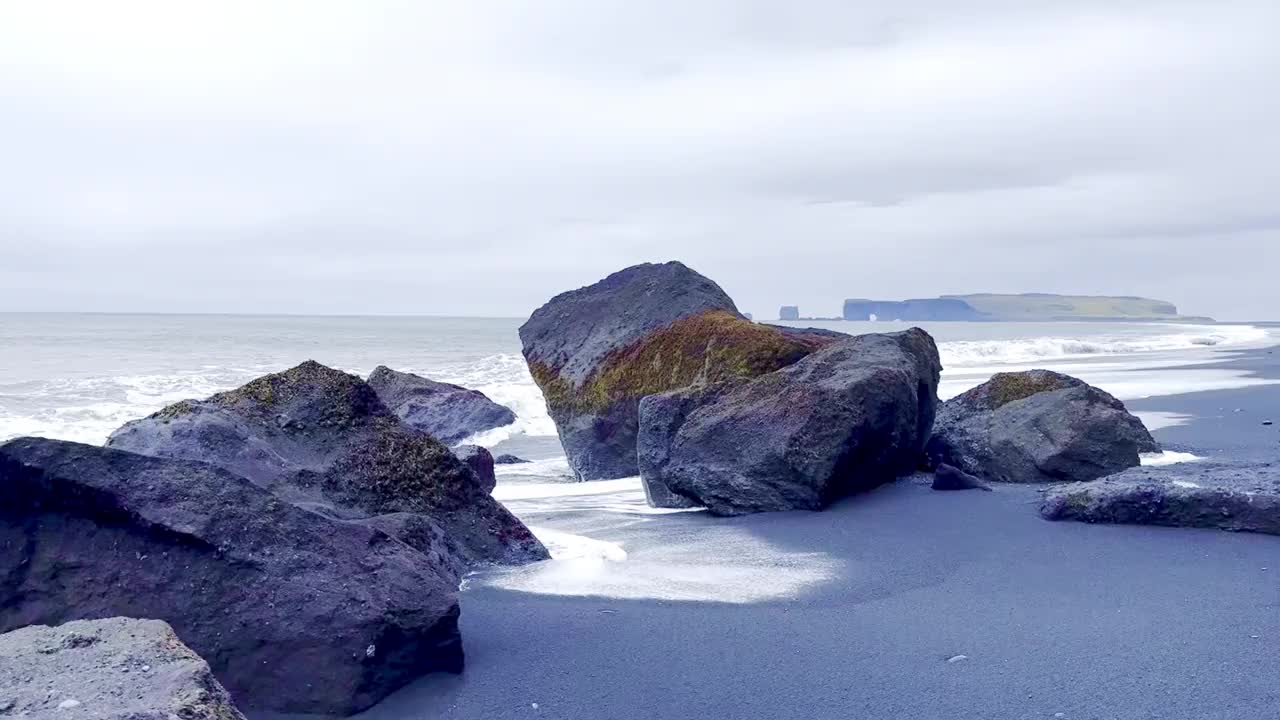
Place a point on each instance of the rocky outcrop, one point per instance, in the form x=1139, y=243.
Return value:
x=1038, y=426
x=846, y=418
x=789, y=312
x=293, y=611
x=506, y=459
x=448, y=413
x=113, y=669
x=323, y=440
x=481, y=463
x=596, y=351
x=1235, y=497
x=946, y=477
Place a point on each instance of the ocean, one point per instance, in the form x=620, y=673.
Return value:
x=80, y=376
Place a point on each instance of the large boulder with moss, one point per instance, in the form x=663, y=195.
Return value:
x=596, y=351
x=294, y=611
x=112, y=669
x=1226, y=496
x=449, y=413
x=322, y=439
x=1038, y=426
x=846, y=418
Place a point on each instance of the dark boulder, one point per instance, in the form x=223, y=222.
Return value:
x=1240, y=497
x=481, y=463
x=293, y=611
x=846, y=418
x=1037, y=426
x=946, y=477
x=322, y=439
x=596, y=351
x=448, y=413
x=506, y=459
x=116, y=669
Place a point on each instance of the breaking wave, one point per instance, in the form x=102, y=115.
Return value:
x=977, y=353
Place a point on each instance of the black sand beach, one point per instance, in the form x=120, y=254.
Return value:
x=942, y=605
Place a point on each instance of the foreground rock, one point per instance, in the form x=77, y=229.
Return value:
x=481, y=461
x=115, y=669
x=1224, y=496
x=1038, y=426
x=596, y=351
x=322, y=439
x=293, y=611
x=849, y=417
x=448, y=413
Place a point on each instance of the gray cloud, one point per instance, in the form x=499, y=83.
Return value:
x=476, y=158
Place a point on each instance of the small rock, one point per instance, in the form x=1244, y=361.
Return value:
x=946, y=477
x=1267, y=422
x=508, y=459
x=68, y=704
x=957, y=658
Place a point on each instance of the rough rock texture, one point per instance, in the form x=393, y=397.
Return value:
x=448, y=413
x=946, y=477
x=113, y=669
x=322, y=439
x=506, y=459
x=293, y=611
x=1037, y=426
x=481, y=463
x=1217, y=495
x=596, y=351
x=849, y=417
x=661, y=417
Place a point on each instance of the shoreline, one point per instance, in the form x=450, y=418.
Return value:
x=1090, y=621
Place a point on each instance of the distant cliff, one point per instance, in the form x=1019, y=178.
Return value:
x=1030, y=307
x=922, y=309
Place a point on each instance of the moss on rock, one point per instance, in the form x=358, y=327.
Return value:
x=708, y=347
x=1004, y=388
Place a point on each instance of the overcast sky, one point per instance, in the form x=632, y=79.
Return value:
x=478, y=157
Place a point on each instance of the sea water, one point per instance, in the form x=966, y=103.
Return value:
x=80, y=376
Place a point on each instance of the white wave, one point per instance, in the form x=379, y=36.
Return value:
x=556, y=467
x=1132, y=384
x=88, y=409
x=1158, y=420
x=976, y=353
x=506, y=380
x=604, y=543
x=1168, y=457
x=567, y=546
